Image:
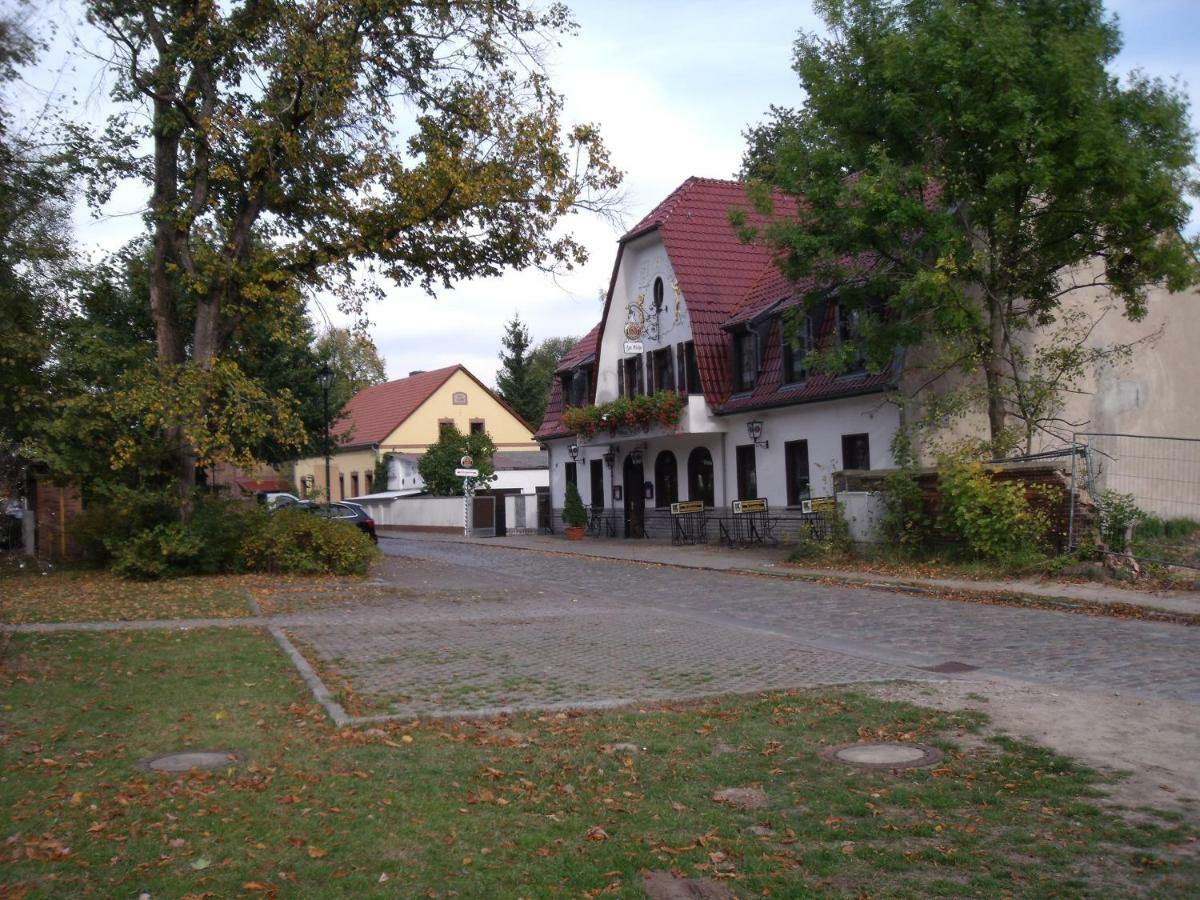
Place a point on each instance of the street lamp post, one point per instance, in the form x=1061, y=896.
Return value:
x=325, y=377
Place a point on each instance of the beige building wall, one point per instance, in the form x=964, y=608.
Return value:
x=475, y=404
x=460, y=400
x=1155, y=392
x=343, y=467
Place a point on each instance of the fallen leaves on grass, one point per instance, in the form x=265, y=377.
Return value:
x=102, y=597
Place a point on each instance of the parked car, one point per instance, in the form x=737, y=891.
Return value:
x=275, y=499
x=343, y=511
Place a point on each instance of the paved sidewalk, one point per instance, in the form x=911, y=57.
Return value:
x=772, y=561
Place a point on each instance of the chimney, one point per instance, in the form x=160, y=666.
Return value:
x=416, y=372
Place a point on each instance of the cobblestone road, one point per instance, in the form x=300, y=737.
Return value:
x=501, y=627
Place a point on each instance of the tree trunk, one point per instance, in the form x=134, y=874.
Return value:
x=993, y=363
x=167, y=334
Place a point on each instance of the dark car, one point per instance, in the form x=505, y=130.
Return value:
x=343, y=511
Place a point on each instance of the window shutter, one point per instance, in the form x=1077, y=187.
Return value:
x=648, y=361
x=641, y=376
x=620, y=378
x=681, y=369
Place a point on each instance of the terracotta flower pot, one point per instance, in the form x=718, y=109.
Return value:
x=574, y=532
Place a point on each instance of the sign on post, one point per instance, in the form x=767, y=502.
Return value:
x=467, y=473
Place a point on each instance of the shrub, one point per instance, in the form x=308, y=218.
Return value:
x=993, y=518
x=829, y=540
x=297, y=541
x=904, y=523
x=1118, y=512
x=159, y=552
x=573, y=512
x=116, y=515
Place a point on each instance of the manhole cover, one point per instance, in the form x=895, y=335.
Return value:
x=885, y=755
x=187, y=760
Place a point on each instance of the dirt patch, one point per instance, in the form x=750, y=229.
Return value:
x=741, y=798
x=1153, y=741
x=665, y=886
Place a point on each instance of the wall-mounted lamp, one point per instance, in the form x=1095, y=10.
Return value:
x=754, y=430
x=635, y=456
x=610, y=457
x=574, y=451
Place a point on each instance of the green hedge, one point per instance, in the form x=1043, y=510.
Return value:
x=141, y=538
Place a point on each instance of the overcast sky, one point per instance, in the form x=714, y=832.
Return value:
x=672, y=84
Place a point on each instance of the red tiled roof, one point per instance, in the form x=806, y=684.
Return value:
x=769, y=389
x=254, y=485
x=376, y=411
x=580, y=353
x=714, y=268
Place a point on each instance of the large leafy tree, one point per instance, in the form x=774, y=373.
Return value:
x=294, y=143
x=966, y=169
x=437, y=464
x=35, y=260
x=515, y=380
x=354, y=360
x=105, y=421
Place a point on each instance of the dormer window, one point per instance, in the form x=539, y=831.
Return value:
x=576, y=387
x=745, y=361
x=797, y=348
x=849, y=331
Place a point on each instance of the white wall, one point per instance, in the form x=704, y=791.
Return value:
x=525, y=480
x=642, y=261
x=822, y=425
x=403, y=474
x=529, y=522
x=417, y=512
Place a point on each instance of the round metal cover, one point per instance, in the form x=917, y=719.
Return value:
x=885, y=755
x=186, y=760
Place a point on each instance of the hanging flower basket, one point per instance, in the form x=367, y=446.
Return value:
x=663, y=410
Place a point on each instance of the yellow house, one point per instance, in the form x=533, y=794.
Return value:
x=405, y=417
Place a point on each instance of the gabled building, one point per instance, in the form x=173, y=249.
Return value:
x=401, y=419
x=693, y=310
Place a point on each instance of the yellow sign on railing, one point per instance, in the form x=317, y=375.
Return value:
x=687, y=506
x=749, y=506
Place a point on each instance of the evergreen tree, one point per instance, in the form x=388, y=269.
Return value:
x=516, y=379
x=542, y=362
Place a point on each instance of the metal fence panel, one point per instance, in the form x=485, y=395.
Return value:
x=1162, y=476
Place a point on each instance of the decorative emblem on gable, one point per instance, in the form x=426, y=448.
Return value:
x=459, y=398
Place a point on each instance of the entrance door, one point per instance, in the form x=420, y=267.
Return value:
x=635, y=499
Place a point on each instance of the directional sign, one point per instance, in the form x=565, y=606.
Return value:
x=467, y=473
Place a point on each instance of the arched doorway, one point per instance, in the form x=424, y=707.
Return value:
x=635, y=497
x=701, y=484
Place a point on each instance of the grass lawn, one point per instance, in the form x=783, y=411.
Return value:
x=530, y=806
x=93, y=596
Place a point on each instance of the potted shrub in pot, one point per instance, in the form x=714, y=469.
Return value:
x=574, y=515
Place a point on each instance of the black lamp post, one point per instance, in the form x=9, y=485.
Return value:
x=325, y=377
